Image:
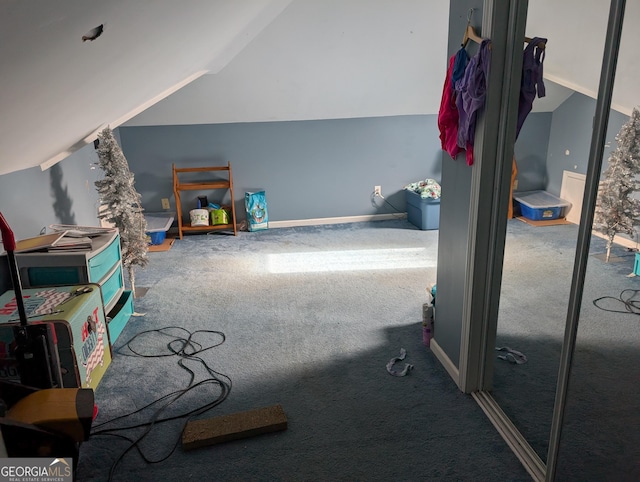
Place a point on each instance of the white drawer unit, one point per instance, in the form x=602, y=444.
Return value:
x=101, y=265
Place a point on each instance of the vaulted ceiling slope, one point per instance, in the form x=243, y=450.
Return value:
x=264, y=60
x=576, y=31
x=329, y=59
x=56, y=89
x=325, y=59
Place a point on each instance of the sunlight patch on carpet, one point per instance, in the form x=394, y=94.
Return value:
x=354, y=260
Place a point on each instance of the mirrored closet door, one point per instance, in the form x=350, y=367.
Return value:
x=560, y=365
x=551, y=152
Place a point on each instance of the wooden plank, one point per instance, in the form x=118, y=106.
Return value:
x=165, y=246
x=203, y=185
x=200, y=433
x=202, y=169
x=548, y=222
x=210, y=227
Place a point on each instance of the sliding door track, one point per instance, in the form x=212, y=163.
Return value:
x=518, y=444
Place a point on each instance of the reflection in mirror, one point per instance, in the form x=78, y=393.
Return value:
x=539, y=259
x=600, y=438
x=538, y=263
x=552, y=153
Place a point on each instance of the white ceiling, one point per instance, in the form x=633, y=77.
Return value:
x=325, y=59
x=265, y=59
x=576, y=30
x=57, y=89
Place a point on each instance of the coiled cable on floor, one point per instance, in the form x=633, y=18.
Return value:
x=630, y=305
x=187, y=350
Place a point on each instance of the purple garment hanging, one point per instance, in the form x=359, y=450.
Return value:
x=472, y=90
x=532, y=82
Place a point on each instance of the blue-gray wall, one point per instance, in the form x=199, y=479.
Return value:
x=571, y=129
x=531, y=151
x=33, y=199
x=454, y=210
x=309, y=169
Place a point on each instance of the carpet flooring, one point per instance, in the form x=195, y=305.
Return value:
x=311, y=317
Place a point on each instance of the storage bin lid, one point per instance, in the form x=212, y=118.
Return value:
x=158, y=221
x=540, y=200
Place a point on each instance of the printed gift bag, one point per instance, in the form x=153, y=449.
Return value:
x=219, y=216
x=255, y=204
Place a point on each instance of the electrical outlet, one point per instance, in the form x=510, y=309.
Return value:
x=165, y=203
x=377, y=190
x=515, y=185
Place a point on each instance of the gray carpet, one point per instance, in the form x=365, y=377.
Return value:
x=316, y=342
x=601, y=440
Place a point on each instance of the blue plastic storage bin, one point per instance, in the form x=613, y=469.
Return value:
x=422, y=213
x=157, y=226
x=540, y=205
x=157, y=237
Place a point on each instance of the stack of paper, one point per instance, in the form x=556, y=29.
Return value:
x=68, y=243
x=73, y=230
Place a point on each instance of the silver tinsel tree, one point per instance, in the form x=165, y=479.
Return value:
x=121, y=204
x=617, y=210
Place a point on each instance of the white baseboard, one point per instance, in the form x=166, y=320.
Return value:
x=319, y=221
x=620, y=240
x=446, y=362
x=337, y=220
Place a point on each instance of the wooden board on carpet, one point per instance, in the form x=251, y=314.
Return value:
x=546, y=222
x=200, y=433
x=165, y=246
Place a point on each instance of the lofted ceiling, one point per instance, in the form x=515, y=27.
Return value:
x=56, y=91
x=576, y=30
x=214, y=61
x=325, y=59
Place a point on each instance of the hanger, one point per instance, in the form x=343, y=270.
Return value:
x=469, y=32
x=541, y=45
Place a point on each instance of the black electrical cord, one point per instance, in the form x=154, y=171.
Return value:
x=393, y=207
x=187, y=350
x=374, y=196
x=631, y=306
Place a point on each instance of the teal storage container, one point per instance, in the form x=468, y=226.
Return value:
x=118, y=317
